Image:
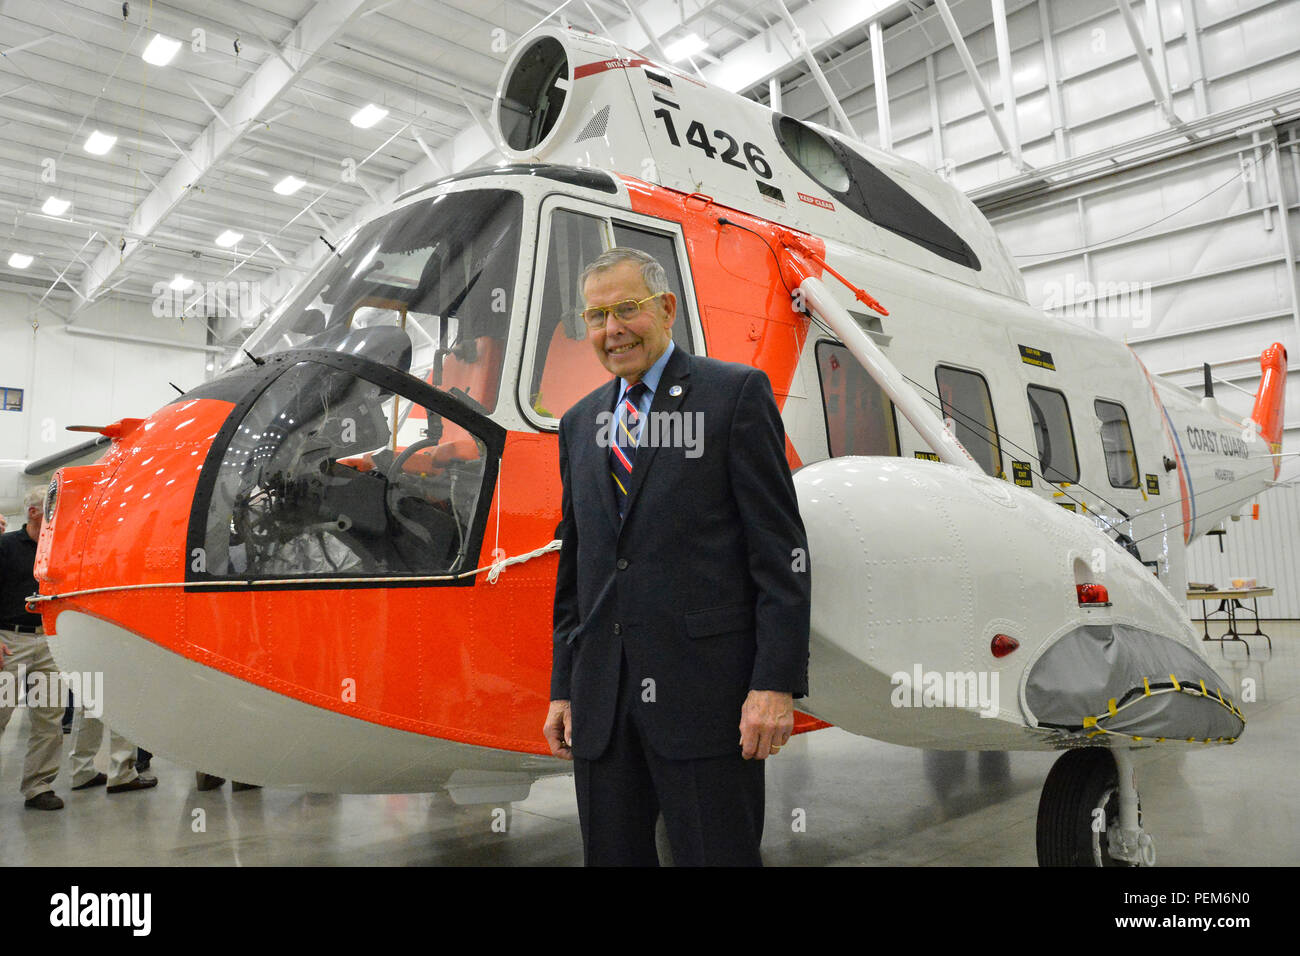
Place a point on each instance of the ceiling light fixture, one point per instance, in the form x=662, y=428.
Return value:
x=688, y=45
x=160, y=50
x=99, y=143
x=54, y=206
x=368, y=116
x=20, y=260
x=289, y=185
x=180, y=283
x=229, y=238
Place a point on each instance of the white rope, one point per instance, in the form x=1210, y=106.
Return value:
x=493, y=572
x=519, y=558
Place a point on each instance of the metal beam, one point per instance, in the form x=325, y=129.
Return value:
x=1056, y=104
x=1148, y=67
x=881, y=82
x=1156, y=44
x=1192, y=37
x=319, y=28
x=1006, y=76
x=972, y=72
x=802, y=46
x=1288, y=250
x=936, y=123
x=767, y=54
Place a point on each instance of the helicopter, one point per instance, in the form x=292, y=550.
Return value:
x=332, y=566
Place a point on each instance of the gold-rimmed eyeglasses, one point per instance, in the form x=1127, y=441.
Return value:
x=624, y=311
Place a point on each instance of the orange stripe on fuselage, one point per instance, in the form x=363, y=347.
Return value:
x=743, y=299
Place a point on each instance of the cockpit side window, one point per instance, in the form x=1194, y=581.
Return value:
x=661, y=246
x=329, y=474
x=565, y=367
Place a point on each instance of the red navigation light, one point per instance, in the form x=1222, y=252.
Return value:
x=1002, y=645
x=1093, y=594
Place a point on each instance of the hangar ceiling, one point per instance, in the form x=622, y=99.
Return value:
x=256, y=93
x=265, y=94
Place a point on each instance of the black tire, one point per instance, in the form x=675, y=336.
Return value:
x=1079, y=782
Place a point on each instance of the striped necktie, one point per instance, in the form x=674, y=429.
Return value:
x=622, y=452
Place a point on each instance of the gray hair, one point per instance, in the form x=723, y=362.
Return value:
x=34, y=499
x=652, y=273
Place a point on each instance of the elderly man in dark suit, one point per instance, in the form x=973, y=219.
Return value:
x=682, y=598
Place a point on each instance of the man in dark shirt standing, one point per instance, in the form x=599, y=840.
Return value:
x=24, y=653
x=27, y=654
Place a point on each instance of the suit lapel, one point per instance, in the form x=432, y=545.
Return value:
x=676, y=373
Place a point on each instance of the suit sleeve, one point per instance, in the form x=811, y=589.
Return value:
x=774, y=537
x=565, y=615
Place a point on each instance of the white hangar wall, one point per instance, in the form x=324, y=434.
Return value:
x=1182, y=245
x=110, y=361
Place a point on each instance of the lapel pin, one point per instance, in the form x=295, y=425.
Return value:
x=675, y=391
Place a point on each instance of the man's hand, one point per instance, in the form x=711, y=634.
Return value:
x=4, y=523
x=766, y=722
x=4, y=649
x=559, y=729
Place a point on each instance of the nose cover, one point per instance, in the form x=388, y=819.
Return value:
x=1115, y=678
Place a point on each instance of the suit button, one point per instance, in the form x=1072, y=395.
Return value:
x=621, y=564
x=618, y=628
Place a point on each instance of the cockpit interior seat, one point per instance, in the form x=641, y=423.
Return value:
x=571, y=371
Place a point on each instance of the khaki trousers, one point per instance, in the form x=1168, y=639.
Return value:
x=30, y=654
x=87, y=735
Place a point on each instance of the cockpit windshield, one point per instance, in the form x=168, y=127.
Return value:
x=442, y=269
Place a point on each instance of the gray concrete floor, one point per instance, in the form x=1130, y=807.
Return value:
x=862, y=802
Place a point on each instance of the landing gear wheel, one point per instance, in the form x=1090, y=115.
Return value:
x=1078, y=808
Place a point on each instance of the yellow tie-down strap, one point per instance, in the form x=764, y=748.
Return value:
x=1094, y=727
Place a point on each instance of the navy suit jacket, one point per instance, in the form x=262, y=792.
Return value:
x=704, y=585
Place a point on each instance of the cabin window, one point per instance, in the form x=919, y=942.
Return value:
x=565, y=366
x=859, y=417
x=814, y=153
x=661, y=246
x=1053, y=434
x=967, y=406
x=329, y=474
x=1117, y=444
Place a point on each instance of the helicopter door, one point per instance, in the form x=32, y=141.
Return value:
x=564, y=366
x=323, y=472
